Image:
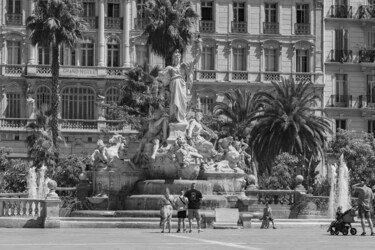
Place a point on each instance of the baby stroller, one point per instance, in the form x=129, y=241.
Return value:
x=343, y=224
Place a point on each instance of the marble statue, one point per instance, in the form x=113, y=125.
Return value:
x=156, y=132
x=194, y=133
x=178, y=77
x=31, y=107
x=3, y=103
x=184, y=153
x=101, y=107
x=104, y=155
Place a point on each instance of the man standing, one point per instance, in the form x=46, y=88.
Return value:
x=365, y=197
x=194, y=204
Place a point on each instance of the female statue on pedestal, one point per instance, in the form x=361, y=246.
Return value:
x=179, y=78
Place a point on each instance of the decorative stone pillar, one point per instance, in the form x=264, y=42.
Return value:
x=101, y=33
x=126, y=34
x=31, y=48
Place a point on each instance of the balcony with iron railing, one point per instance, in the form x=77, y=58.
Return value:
x=239, y=27
x=207, y=26
x=270, y=28
x=367, y=101
x=140, y=23
x=113, y=22
x=271, y=76
x=92, y=21
x=304, y=76
x=342, y=101
x=366, y=56
x=340, y=11
x=12, y=69
x=366, y=12
x=13, y=19
x=341, y=56
x=302, y=28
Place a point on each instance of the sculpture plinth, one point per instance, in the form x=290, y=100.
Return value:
x=176, y=130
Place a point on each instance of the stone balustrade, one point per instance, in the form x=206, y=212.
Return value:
x=281, y=197
x=23, y=207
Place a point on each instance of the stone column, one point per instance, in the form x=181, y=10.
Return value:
x=31, y=48
x=126, y=34
x=101, y=33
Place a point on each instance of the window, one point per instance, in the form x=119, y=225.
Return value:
x=44, y=56
x=113, y=53
x=341, y=39
x=271, y=13
x=341, y=2
x=370, y=41
x=207, y=11
x=141, y=52
x=14, y=52
x=341, y=88
x=340, y=124
x=208, y=58
x=14, y=7
x=371, y=89
x=303, y=13
x=87, y=53
x=112, y=95
x=239, y=12
x=302, y=61
x=43, y=98
x=271, y=60
x=239, y=59
x=88, y=9
x=13, y=109
x=113, y=10
x=206, y=105
x=78, y=103
x=140, y=9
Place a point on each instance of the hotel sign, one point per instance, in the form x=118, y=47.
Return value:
x=78, y=72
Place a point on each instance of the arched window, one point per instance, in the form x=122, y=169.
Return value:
x=78, y=103
x=113, y=53
x=43, y=98
x=112, y=95
x=87, y=53
x=14, y=52
x=13, y=109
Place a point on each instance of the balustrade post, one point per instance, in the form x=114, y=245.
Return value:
x=1, y=208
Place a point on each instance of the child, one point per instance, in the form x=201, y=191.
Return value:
x=181, y=204
x=267, y=216
x=338, y=218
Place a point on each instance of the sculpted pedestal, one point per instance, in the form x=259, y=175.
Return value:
x=176, y=130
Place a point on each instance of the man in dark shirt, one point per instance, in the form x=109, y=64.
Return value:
x=194, y=204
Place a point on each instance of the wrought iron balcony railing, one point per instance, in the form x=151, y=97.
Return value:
x=207, y=26
x=239, y=27
x=13, y=19
x=366, y=11
x=340, y=11
x=344, y=101
x=140, y=23
x=272, y=76
x=366, y=55
x=341, y=56
x=302, y=28
x=270, y=28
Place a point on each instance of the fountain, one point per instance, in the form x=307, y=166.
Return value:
x=339, y=192
x=37, y=183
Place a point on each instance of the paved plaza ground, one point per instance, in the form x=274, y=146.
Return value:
x=252, y=239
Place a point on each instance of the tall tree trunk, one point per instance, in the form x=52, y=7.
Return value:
x=55, y=96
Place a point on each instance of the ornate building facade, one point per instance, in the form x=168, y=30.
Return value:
x=246, y=44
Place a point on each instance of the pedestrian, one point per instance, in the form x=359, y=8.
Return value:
x=181, y=203
x=267, y=217
x=166, y=209
x=365, y=197
x=194, y=198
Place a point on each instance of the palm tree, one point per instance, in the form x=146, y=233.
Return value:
x=54, y=23
x=239, y=111
x=168, y=26
x=287, y=123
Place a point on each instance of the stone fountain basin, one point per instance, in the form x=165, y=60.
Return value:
x=151, y=202
x=97, y=200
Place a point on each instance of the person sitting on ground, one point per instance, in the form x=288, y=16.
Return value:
x=181, y=204
x=267, y=216
x=365, y=197
x=338, y=218
x=166, y=209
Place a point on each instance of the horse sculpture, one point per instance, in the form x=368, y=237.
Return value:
x=108, y=154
